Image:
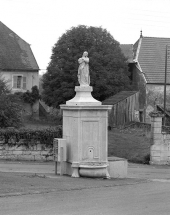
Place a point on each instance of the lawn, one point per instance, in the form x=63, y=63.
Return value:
x=132, y=144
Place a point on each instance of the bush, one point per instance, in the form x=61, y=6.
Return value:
x=3, y=86
x=55, y=116
x=29, y=137
x=10, y=111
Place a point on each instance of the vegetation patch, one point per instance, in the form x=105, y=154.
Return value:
x=28, y=137
x=131, y=143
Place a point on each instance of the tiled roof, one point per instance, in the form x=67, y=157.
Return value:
x=151, y=59
x=127, y=50
x=118, y=97
x=167, y=109
x=15, y=53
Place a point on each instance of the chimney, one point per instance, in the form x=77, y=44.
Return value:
x=141, y=34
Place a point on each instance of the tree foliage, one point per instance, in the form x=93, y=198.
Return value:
x=3, y=86
x=108, y=69
x=10, y=110
x=31, y=97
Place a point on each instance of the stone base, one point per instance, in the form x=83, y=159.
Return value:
x=160, y=154
x=69, y=169
x=83, y=97
x=117, y=167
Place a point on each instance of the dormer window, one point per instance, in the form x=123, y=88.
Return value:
x=19, y=82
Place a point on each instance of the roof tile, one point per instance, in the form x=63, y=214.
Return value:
x=15, y=53
x=152, y=59
x=118, y=97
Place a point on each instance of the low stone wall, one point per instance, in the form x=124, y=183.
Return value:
x=31, y=153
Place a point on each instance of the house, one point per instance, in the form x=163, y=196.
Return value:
x=125, y=108
x=147, y=72
x=17, y=63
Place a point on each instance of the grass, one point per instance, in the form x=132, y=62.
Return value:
x=132, y=144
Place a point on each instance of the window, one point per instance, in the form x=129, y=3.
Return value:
x=19, y=82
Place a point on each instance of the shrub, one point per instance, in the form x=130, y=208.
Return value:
x=55, y=116
x=3, y=86
x=29, y=137
x=30, y=97
x=10, y=111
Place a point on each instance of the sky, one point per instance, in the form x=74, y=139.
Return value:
x=41, y=22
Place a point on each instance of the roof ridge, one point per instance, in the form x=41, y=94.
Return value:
x=126, y=44
x=158, y=37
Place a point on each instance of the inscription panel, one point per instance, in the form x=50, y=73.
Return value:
x=90, y=140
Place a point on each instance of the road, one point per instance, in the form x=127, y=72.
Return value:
x=34, y=189
x=138, y=199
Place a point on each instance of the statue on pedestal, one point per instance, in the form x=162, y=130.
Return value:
x=83, y=92
x=83, y=70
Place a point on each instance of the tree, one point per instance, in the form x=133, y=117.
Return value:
x=3, y=86
x=108, y=69
x=10, y=110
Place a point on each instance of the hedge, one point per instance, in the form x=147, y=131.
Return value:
x=27, y=137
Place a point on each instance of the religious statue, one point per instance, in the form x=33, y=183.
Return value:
x=83, y=70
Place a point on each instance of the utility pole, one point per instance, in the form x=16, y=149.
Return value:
x=167, y=55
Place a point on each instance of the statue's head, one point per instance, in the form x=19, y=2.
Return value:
x=85, y=54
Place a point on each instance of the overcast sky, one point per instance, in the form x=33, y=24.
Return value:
x=42, y=22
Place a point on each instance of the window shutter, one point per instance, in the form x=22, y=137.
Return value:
x=14, y=81
x=24, y=83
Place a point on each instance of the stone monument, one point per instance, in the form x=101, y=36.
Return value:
x=85, y=122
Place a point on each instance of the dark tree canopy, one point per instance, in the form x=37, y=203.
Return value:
x=108, y=69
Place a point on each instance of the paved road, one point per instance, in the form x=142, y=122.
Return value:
x=150, y=198
x=30, y=188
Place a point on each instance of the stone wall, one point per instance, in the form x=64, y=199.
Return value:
x=31, y=153
x=160, y=150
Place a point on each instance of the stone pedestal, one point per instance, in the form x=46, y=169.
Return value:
x=85, y=123
x=83, y=97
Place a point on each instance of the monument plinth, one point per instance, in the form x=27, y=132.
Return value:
x=83, y=97
x=85, y=122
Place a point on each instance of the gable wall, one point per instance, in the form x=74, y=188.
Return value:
x=32, y=79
